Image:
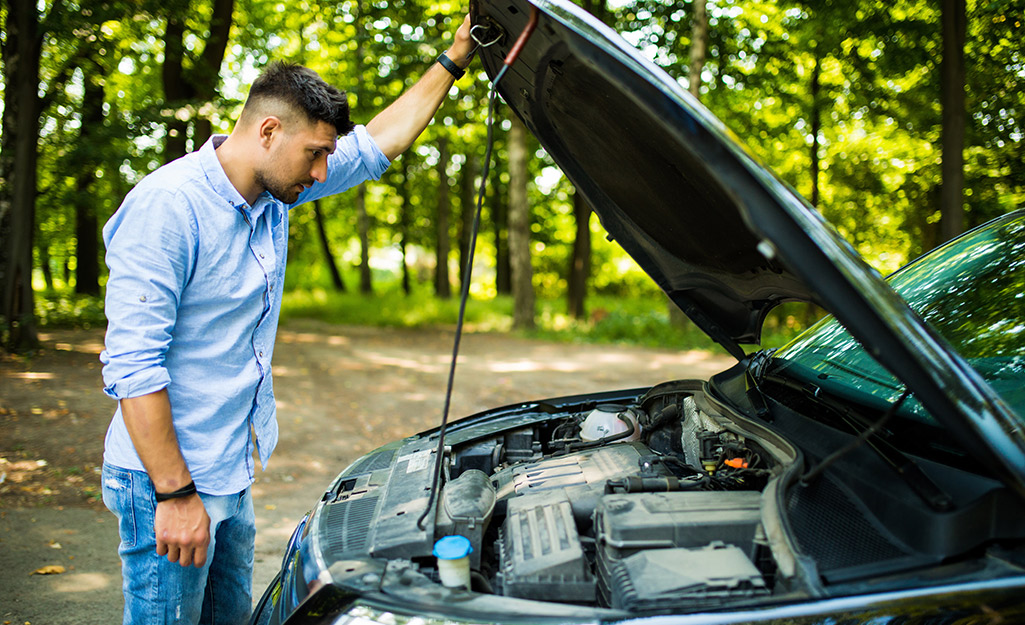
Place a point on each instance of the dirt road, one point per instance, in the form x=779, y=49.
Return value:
x=341, y=392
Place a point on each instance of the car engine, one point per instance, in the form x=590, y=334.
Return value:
x=631, y=505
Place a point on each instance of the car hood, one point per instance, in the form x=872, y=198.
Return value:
x=724, y=237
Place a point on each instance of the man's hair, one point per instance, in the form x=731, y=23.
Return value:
x=302, y=90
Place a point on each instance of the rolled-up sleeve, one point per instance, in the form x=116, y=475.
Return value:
x=151, y=243
x=356, y=159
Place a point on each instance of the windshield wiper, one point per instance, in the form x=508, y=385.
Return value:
x=868, y=431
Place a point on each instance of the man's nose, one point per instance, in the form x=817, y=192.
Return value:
x=319, y=170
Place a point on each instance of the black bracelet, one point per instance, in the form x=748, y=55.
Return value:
x=450, y=65
x=184, y=491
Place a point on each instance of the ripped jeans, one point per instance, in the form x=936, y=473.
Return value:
x=158, y=591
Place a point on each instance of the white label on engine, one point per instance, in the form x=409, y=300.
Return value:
x=418, y=461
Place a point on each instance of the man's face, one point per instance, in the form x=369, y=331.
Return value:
x=297, y=158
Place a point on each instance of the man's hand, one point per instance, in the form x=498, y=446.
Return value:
x=463, y=45
x=182, y=529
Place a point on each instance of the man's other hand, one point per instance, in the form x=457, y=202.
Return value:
x=182, y=529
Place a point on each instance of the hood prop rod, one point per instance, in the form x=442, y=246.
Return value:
x=465, y=286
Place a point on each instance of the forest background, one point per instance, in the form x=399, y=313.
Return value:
x=901, y=121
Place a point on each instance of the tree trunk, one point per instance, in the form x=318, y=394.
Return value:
x=816, y=128
x=580, y=263
x=811, y=312
x=468, y=201
x=177, y=92
x=595, y=8
x=519, y=229
x=500, y=221
x=44, y=266
x=698, y=47
x=952, y=69
x=17, y=211
x=442, y=282
x=325, y=246
x=193, y=87
x=404, y=221
x=206, y=74
x=362, y=219
x=87, y=252
x=365, y=281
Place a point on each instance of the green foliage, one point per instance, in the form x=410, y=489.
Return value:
x=613, y=319
x=878, y=103
x=620, y=320
x=64, y=309
x=392, y=308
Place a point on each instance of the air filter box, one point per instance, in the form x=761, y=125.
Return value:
x=674, y=580
x=647, y=523
x=540, y=553
x=626, y=524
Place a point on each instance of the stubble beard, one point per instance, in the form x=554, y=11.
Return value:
x=286, y=193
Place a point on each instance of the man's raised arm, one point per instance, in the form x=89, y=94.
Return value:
x=397, y=127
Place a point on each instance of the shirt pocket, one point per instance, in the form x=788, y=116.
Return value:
x=118, y=497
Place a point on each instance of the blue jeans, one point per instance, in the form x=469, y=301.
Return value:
x=158, y=591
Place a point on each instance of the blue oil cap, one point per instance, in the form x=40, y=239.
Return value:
x=452, y=547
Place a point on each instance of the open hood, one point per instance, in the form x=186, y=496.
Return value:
x=717, y=231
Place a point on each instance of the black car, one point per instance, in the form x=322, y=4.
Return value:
x=871, y=471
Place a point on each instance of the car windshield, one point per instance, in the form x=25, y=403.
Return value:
x=971, y=291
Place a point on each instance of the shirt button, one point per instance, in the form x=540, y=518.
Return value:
x=142, y=298
x=261, y=256
x=260, y=354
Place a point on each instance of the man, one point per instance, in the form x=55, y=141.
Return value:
x=196, y=255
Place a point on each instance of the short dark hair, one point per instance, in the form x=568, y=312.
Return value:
x=302, y=89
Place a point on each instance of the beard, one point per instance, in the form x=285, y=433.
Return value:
x=282, y=191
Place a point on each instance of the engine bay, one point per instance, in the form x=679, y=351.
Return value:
x=655, y=501
x=622, y=505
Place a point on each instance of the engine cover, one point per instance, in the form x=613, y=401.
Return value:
x=581, y=475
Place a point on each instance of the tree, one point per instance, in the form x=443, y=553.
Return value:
x=325, y=246
x=366, y=285
x=519, y=228
x=580, y=257
x=468, y=207
x=189, y=87
x=24, y=31
x=580, y=260
x=443, y=210
x=500, y=227
x=87, y=262
x=404, y=210
x=698, y=46
x=952, y=69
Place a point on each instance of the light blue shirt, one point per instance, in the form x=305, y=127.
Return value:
x=192, y=305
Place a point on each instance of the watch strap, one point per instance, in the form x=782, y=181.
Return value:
x=450, y=65
x=184, y=491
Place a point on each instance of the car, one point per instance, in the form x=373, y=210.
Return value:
x=870, y=471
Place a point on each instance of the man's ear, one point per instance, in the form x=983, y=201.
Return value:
x=269, y=128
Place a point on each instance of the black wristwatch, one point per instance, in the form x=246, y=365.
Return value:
x=450, y=65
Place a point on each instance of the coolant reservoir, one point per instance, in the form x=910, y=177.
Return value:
x=610, y=420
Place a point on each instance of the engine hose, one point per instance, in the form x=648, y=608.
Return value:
x=637, y=484
x=663, y=416
x=605, y=440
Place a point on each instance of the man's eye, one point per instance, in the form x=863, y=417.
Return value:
x=316, y=154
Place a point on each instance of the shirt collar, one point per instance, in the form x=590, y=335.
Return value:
x=215, y=173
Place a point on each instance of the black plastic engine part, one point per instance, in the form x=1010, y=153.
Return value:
x=675, y=580
x=540, y=553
